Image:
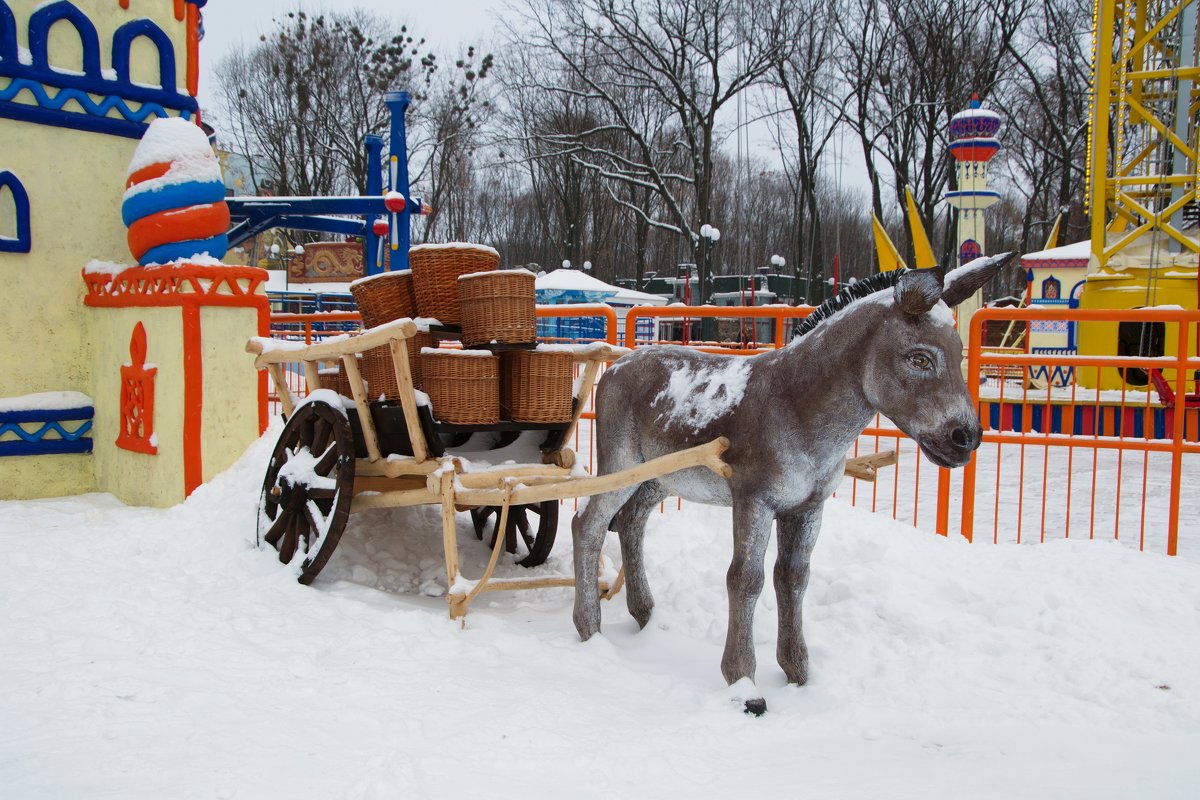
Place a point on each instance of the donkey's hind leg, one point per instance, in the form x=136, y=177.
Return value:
x=630, y=523
x=587, y=533
x=797, y=534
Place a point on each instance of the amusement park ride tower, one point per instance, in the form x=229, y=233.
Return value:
x=1142, y=174
x=973, y=144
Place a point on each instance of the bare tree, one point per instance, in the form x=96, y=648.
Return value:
x=1046, y=107
x=810, y=115
x=911, y=65
x=301, y=101
x=448, y=134
x=685, y=54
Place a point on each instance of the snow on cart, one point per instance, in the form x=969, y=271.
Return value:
x=341, y=451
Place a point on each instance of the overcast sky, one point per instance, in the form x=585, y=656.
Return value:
x=445, y=24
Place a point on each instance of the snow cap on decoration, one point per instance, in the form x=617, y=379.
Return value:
x=174, y=203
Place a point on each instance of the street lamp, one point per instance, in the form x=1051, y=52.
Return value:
x=566, y=263
x=587, y=266
x=276, y=254
x=711, y=235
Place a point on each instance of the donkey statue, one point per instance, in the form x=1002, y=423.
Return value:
x=885, y=345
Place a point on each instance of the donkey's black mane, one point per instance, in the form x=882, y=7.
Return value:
x=855, y=291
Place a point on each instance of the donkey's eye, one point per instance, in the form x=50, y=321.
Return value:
x=920, y=361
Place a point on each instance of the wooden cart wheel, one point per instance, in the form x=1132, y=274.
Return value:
x=309, y=485
x=538, y=542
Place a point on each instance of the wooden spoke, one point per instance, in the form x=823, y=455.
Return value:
x=276, y=530
x=321, y=431
x=538, y=541
x=306, y=514
x=326, y=462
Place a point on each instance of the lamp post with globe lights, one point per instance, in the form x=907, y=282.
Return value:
x=711, y=235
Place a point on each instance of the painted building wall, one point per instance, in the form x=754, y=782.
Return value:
x=138, y=478
x=79, y=82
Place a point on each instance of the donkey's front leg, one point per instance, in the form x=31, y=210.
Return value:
x=751, y=531
x=797, y=534
x=587, y=533
x=630, y=523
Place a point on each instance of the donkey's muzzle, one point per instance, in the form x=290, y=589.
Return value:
x=952, y=448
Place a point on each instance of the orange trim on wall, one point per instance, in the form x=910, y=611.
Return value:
x=189, y=287
x=193, y=47
x=193, y=399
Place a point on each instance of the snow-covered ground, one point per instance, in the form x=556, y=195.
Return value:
x=156, y=654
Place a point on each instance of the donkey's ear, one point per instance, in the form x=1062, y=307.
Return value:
x=918, y=290
x=963, y=282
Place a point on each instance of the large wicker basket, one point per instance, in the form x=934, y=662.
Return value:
x=385, y=297
x=535, y=385
x=463, y=385
x=435, y=269
x=498, y=306
x=380, y=374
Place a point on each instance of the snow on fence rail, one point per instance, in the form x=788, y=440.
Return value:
x=1055, y=463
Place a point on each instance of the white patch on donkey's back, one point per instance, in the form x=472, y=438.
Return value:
x=698, y=396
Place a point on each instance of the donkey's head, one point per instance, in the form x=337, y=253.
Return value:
x=913, y=372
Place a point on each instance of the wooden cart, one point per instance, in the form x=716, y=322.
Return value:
x=334, y=457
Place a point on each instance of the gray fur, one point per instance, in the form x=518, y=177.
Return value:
x=790, y=421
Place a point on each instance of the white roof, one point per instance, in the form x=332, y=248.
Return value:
x=573, y=280
x=1078, y=250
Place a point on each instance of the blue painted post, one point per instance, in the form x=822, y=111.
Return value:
x=372, y=263
x=397, y=103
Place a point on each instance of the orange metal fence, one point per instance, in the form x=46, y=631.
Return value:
x=1133, y=447
x=1056, y=462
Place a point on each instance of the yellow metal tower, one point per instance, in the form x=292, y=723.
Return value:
x=1142, y=145
x=1142, y=176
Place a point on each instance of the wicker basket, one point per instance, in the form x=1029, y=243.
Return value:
x=435, y=269
x=535, y=385
x=380, y=374
x=383, y=298
x=464, y=389
x=498, y=306
x=335, y=378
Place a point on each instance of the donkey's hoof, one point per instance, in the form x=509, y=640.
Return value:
x=641, y=616
x=756, y=706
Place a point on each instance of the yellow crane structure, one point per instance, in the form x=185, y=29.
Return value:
x=1142, y=169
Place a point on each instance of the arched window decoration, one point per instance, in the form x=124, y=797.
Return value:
x=8, y=33
x=969, y=251
x=42, y=20
x=1051, y=289
x=22, y=242
x=123, y=41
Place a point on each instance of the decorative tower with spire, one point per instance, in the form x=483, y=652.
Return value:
x=973, y=144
